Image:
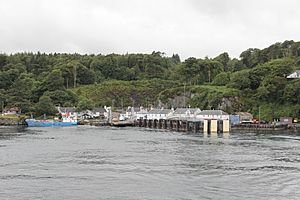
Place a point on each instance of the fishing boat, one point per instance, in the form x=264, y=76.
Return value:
x=65, y=121
x=47, y=123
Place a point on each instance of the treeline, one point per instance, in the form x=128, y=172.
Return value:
x=33, y=80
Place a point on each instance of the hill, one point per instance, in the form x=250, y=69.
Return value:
x=256, y=82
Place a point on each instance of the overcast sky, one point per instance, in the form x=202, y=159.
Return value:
x=195, y=28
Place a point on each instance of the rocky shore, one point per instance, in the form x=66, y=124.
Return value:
x=11, y=121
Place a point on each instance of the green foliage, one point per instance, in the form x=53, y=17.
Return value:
x=125, y=93
x=59, y=97
x=85, y=104
x=221, y=79
x=54, y=81
x=45, y=106
x=198, y=71
x=240, y=80
x=272, y=89
x=205, y=96
x=256, y=78
x=271, y=111
x=235, y=65
x=291, y=92
x=223, y=59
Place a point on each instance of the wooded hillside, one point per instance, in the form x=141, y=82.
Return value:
x=256, y=81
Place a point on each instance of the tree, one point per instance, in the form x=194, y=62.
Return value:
x=210, y=69
x=84, y=75
x=240, y=80
x=221, y=79
x=250, y=57
x=45, y=106
x=272, y=89
x=3, y=98
x=54, y=81
x=59, y=97
x=3, y=60
x=235, y=65
x=223, y=59
x=175, y=58
x=85, y=104
x=21, y=93
x=292, y=92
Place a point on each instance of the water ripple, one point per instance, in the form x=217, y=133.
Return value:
x=133, y=163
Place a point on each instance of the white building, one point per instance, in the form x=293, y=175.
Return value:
x=142, y=114
x=95, y=113
x=159, y=114
x=184, y=113
x=100, y=112
x=296, y=74
x=68, y=113
x=135, y=112
x=213, y=114
x=11, y=111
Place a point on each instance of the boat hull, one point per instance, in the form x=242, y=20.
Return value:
x=47, y=123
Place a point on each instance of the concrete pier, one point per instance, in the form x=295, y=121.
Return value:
x=192, y=126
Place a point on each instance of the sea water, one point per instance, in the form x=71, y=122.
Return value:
x=135, y=163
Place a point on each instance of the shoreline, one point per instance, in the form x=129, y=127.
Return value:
x=17, y=121
x=12, y=121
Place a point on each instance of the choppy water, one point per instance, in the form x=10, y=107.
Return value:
x=133, y=163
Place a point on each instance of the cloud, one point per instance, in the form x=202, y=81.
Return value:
x=189, y=27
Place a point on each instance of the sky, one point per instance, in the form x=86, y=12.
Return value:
x=190, y=28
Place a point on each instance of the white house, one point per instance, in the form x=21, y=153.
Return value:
x=183, y=113
x=159, y=114
x=100, y=113
x=87, y=114
x=296, y=74
x=122, y=116
x=135, y=112
x=11, y=111
x=142, y=114
x=212, y=114
x=68, y=112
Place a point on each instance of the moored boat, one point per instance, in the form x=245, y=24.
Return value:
x=49, y=123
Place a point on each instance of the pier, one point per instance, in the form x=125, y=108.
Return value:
x=186, y=125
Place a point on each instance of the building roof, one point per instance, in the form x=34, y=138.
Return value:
x=181, y=111
x=193, y=110
x=160, y=111
x=66, y=109
x=100, y=110
x=212, y=112
x=135, y=109
x=13, y=109
x=85, y=112
x=165, y=111
x=184, y=110
x=154, y=111
x=295, y=74
x=244, y=114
